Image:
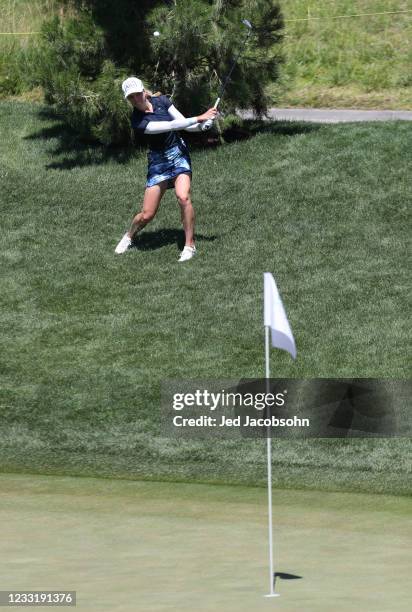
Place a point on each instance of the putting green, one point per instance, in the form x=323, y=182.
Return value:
x=146, y=546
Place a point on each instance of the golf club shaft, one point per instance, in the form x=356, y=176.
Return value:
x=234, y=62
x=208, y=124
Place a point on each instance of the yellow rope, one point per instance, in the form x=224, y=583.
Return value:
x=347, y=16
x=286, y=20
x=17, y=33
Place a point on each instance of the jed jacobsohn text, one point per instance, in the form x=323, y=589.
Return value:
x=206, y=399
x=247, y=421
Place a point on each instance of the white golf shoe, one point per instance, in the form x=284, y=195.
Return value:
x=123, y=245
x=187, y=253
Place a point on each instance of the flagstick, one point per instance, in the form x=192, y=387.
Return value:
x=275, y=319
x=269, y=472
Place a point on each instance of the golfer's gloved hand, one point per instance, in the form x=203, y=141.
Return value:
x=207, y=119
x=206, y=125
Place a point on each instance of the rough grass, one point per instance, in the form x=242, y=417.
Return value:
x=25, y=15
x=359, y=62
x=348, y=96
x=19, y=21
x=87, y=337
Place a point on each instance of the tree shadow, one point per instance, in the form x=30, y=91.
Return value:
x=151, y=241
x=92, y=156
x=247, y=129
x=71, y=151
x=252, y=127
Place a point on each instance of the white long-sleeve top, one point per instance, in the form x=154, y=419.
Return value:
x=160, y=126
x=179, y=122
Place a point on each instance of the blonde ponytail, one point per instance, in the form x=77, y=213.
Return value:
x=151, y=94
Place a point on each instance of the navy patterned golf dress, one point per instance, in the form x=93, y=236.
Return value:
x=168, y=155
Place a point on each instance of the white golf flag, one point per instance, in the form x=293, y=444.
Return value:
x=275, y=317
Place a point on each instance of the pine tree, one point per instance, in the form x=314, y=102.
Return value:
x=86, y=57
x=197, y=43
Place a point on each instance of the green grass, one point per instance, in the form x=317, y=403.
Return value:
x=24, y=15
x=88, y=336
x=197, y=547
x=360, y=62
x=20, y=23
x=17, y=51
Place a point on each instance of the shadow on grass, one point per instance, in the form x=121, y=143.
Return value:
x=284, y=576
x=247, y=129
x=150, y=241
x=253, y=127
x=71, y=151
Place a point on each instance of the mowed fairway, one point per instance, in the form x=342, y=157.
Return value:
x=154, y=547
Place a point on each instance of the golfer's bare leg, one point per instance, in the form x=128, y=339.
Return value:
x=151, y=202
x=182, y=189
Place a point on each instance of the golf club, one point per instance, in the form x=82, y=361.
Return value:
x=208, y=124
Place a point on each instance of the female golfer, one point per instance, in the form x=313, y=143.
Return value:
x=168, y=158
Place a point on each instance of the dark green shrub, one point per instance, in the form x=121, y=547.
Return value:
x=113, y=124
x=196, y=47
x=85, y=58
x=74, y=43
x=80, y=83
